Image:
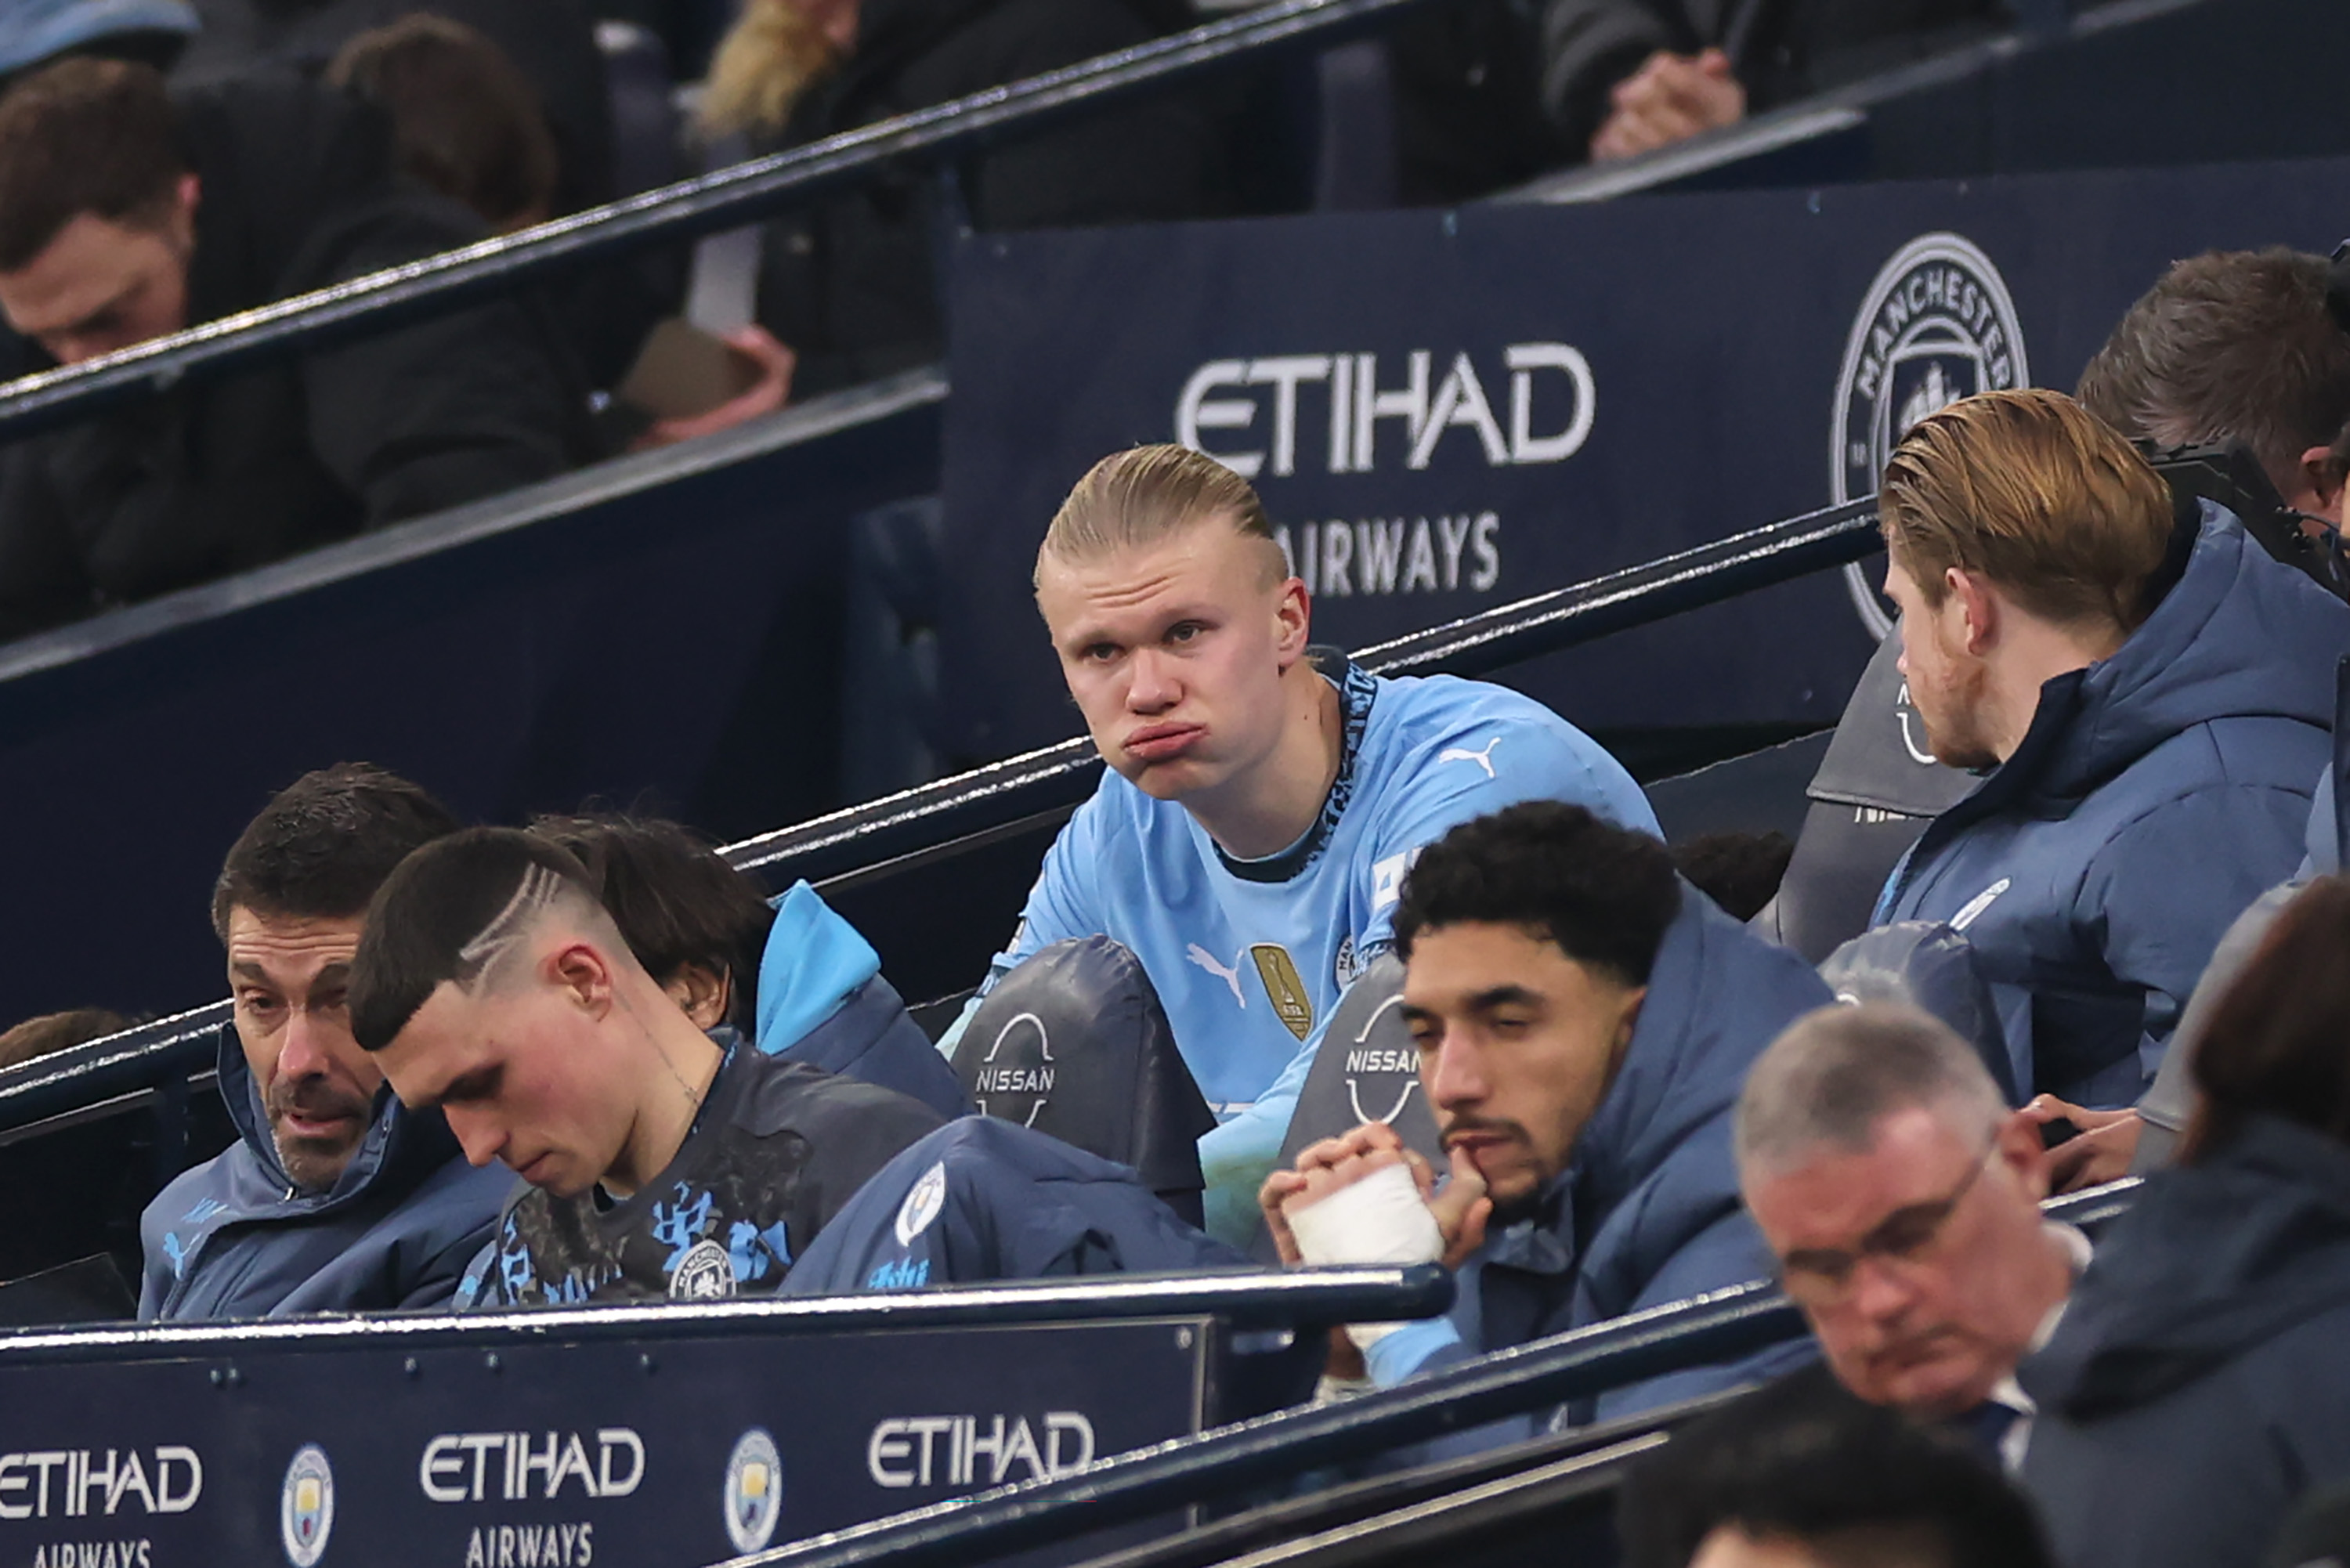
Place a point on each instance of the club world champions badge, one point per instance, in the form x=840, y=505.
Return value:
x=1938, y=325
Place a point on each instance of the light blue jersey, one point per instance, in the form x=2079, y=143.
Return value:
x=1249, y=957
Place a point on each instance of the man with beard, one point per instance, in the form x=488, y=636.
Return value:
x=1584, y=1019
x=333, y=1198
x=2149, y=703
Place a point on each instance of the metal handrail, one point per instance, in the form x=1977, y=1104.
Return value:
x=1703, y=1331
x=1315, y=1297
x=1060, y=775
x=721, y=199
x=1006, y=794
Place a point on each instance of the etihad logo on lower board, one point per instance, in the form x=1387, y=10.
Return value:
x=483, y=1467
x=91, y=1483
x=977, y=1450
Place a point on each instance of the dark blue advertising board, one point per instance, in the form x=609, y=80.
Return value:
x=1445, y=411
x=285, y=1447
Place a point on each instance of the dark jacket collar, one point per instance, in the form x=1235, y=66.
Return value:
x=401, y=1147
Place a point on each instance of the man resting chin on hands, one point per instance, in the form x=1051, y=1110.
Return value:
x=1584, y=1021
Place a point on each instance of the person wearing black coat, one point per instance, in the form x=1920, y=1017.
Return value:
x=2200, y=1382
x=850, y=285
x=292, y=190
x=551, y=42
x=1775, y=50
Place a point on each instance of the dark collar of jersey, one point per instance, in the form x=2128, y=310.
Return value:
x=1357, y=692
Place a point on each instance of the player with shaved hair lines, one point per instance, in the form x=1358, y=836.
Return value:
x=1262, y=798
x=492, y=986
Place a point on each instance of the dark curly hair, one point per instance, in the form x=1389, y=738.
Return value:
x=1603, y=894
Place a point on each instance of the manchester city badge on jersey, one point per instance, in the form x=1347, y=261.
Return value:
x=1936, y=325
x=754, y=1491
x=705, y=1274
x=922, y=1204
x=1291, y=1002
x=306, y=1506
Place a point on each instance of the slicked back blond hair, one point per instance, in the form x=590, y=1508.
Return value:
x=2038, y=494
x=1146, y=496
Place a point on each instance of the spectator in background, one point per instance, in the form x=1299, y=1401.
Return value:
x=37, y=1037
x=1801, y=1475
x=126, y=215
x=2200, y=1382
x=1583, y=1022
x=1901, y=1199
x=699, y=928
x=463, y=120
x=333, y=1198
x=35, y=31
x=552, y=42
x=849, y=284
x=2152, y=726
x=1625, y=77
x=661, y=1162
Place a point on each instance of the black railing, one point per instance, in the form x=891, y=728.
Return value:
x=1317, y=1298
x=1706, y=1331
x=729, y=197
x=977, y=807
x=1004, y=795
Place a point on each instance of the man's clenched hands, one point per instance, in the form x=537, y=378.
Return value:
x=1461, y=1209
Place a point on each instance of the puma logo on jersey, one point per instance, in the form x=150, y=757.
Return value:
x=1230, y=977
x=1483, y=759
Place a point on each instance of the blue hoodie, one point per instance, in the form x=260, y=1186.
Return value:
x=822, y=1000
x=2157, y=794
x=1648, y=1211
x=234, y=1237
x=983, y=1199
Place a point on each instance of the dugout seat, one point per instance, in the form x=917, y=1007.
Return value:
x=1074, y=1043
x=1926, y=965
x=1367, y=1070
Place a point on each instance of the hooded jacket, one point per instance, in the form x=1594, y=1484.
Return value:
x=235, y=1238
x=822, y=1000
x=983, y=1199
x=2157, y=794
x=228, y=472
x=1647, y=1211
x=2199, y=1381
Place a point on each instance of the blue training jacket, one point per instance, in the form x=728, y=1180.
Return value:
x=1648, y=1213
x=984, y=1200
x=2157, y=794
x=822, y=1000
x=234, y=1237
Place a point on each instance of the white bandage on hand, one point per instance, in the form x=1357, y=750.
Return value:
x=1382, y=1219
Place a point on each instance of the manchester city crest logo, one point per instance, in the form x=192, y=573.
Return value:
x=754, y=1491
x=922, y=1204
x=306, y=1506
x=1938, y=326
x=705, y=1274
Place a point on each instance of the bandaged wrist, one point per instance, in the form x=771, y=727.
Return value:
x=1379, y=1219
